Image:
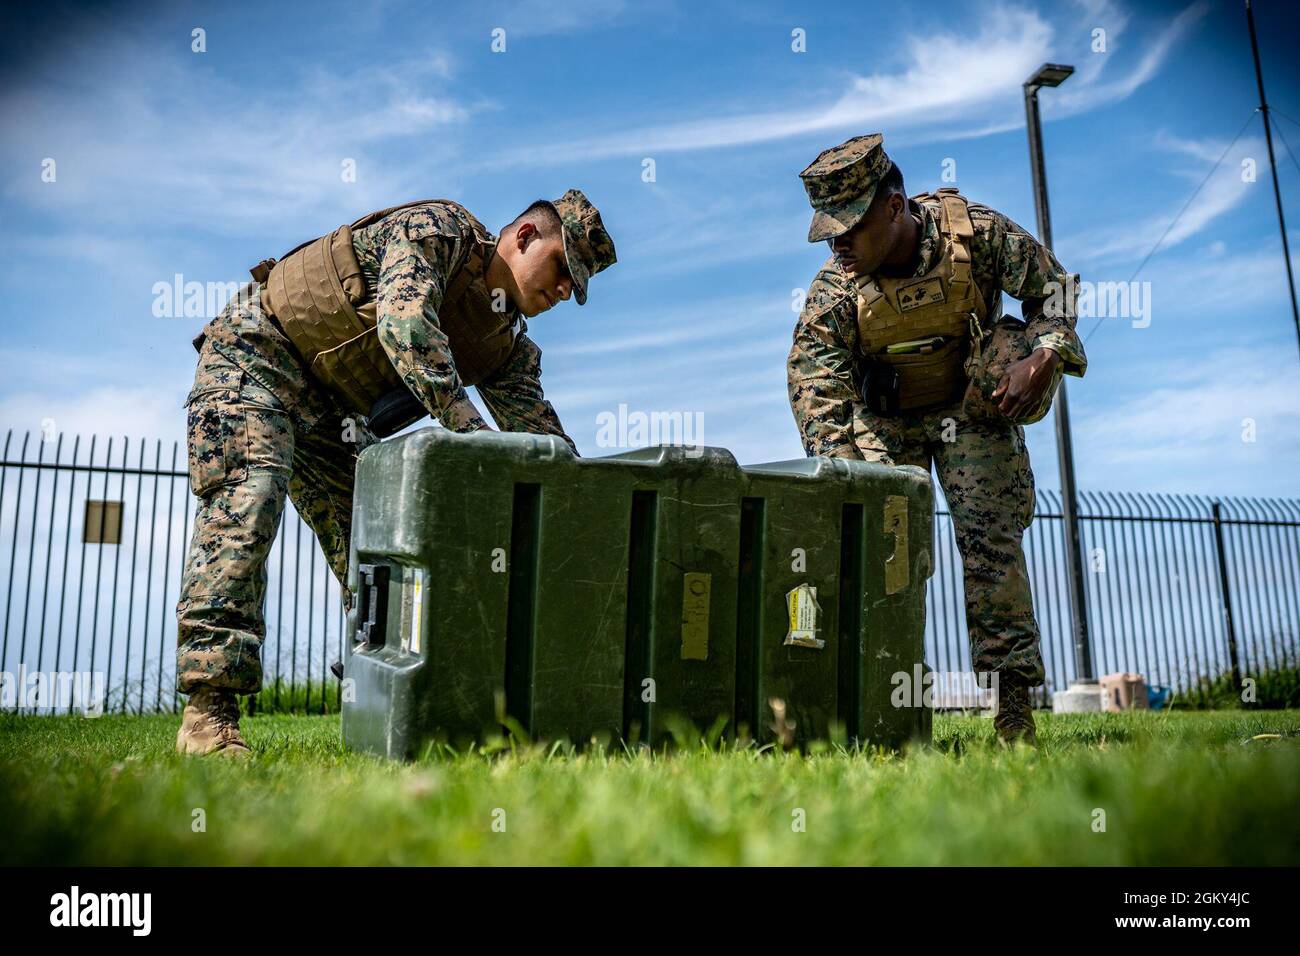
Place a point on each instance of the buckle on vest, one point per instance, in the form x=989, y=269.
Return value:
x=262, y=270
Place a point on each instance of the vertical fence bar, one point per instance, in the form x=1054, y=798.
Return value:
x=1169, y=506
x=167, y=566
x=4, y=473
x=338, y=696
x=936, y=593
x=279, y=610
x=99, y=558
x=1266, y=594
x=117, y=562
x=1216, y=646
x=960, y=646
x=1114, y=601
x=1188, y=602
x=1211, y=597
x=1245, y=615
x=31, y=554
x=954, y=598
x=1032, y=545
x=1151, y=560
x=1063, y=627
x=67, y=553
x=324, y=636
x=1126, y=580
x=1181, y=636
x=311, y=621
x=1178, y=543
x=13, y=551
x=1243, y=610
x=130, y=588
x=81, y=569
x=1226, y=597
x=1133, y=528
x=1257, y=597
x=1148, y=606
x=297, y=587
x=1110, y=559
x=1099, y=575
x=1261, y=600
x=49, y=553
x=1069, y=663
x=1141, y=583
x=1273, y=592
x=188, y=508
x=148, y=577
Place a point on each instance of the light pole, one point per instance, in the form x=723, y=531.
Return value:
x=1272, y=165
x=1052, y=74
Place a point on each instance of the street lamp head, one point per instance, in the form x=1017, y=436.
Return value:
x=1049, y=74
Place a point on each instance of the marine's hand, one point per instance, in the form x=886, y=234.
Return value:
x=1025, y=383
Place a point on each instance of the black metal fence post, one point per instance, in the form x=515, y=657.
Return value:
x=1225, y=591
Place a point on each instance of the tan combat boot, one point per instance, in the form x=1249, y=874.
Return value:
x=210, y=724
x=1014, y=720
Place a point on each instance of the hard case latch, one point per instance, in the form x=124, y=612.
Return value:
x=372, y=607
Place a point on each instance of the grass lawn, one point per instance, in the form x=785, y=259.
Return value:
x=1175, y=788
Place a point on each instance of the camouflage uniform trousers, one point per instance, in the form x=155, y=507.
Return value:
x=985, y=475
x=246, y=452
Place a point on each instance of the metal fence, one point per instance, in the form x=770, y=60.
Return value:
x=1182, y=589
x=74, y=605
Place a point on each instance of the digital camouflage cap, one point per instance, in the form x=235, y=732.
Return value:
x=841, y=182
x=587, y=246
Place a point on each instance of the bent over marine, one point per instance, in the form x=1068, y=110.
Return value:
x=353, y=335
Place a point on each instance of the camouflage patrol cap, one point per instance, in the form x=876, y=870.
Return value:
x=841, y=182
x=587, y=245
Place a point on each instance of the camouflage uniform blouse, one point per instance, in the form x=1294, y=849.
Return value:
x=822, y=368
x=408, y=258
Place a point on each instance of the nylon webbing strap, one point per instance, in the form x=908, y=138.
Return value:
x=958, y=231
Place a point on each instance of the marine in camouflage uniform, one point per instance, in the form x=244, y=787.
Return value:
x=261, y=427
x=979, y=455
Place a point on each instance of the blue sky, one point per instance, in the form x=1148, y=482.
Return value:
x=170, y=161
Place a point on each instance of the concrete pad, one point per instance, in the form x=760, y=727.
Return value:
x=1080, y=698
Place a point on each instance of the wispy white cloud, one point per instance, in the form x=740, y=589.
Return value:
x=1079, y=97
x=956, y=85
x=943, y=76
x=1225, y=189
x=173, y=143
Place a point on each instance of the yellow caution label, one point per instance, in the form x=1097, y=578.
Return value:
x=804, y=611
